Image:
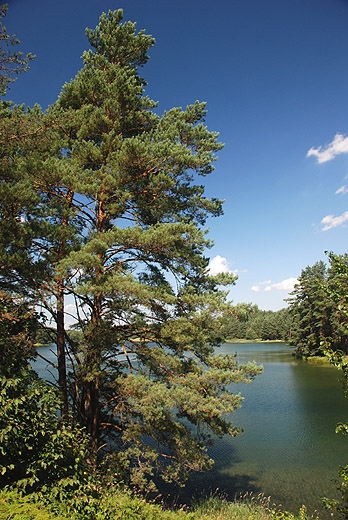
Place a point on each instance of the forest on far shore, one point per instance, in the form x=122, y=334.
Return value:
x=248, y=322
x=316, y=317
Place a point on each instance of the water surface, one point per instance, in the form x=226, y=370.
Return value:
x=289, y=448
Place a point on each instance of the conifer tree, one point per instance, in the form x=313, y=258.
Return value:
x=316, y=307
x=37, y=224
x=311, y=309
x=149, y=312
x=12, y=62
x=119, y=229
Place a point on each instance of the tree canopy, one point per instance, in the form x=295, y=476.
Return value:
x=246, y=321
x=108, y=230
x=316, y=307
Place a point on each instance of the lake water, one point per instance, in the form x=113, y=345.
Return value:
x=289, y=449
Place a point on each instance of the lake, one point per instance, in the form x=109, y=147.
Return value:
x=289, y=449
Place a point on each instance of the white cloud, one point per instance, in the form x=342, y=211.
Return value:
x=338, y=145
x=218, y=265
x=330, y=221
x=342, y=189
x=262, y=286
x=285, y=285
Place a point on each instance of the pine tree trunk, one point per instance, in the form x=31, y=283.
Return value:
x=93, y=363
x=63, y=391
x=61, y=353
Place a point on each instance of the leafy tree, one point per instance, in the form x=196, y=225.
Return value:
x=35, y=448
x=340, y=506
x=12, y=63
x=337, y=293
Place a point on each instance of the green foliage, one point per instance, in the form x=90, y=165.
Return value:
x=334, y=505
x=114, y=504
x=18, y=325
x=316, y=308
x=339, y=360
x=11, y=63
x=246, y=321
x=336, y=291
x=36, y=448
x=111, y=212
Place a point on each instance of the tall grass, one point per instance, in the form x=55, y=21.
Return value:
x=119, y=505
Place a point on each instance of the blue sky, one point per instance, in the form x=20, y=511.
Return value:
x=274, y=74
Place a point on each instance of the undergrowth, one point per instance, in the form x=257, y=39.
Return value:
x=121, y=505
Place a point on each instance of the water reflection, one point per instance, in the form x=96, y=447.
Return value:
x=289, y=449
x=45, y=363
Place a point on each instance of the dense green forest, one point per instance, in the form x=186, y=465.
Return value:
x=318, y=308
x=248, y=322
x=314, y=319
x=103, y=208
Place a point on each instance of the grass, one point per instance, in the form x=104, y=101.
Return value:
x=318, y=360
x=247, y=507
x=219, y=508
x=258, y=340
x=119, y=505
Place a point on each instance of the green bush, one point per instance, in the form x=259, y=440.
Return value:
x=15, y=507
x=118, y=504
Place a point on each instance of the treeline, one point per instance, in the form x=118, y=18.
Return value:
x=316, y=317
x=248, y=322
x=318, y=308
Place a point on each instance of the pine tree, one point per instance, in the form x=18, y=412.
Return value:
x=119, y=228
x=12, y=63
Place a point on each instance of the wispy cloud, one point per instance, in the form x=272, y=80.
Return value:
x=262, y=286
x=342, y=190
x=285, y=285
x=330, y=221
x=219, y=264
x=338, y=145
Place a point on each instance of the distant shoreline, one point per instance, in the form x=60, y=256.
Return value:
x=236, y=340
